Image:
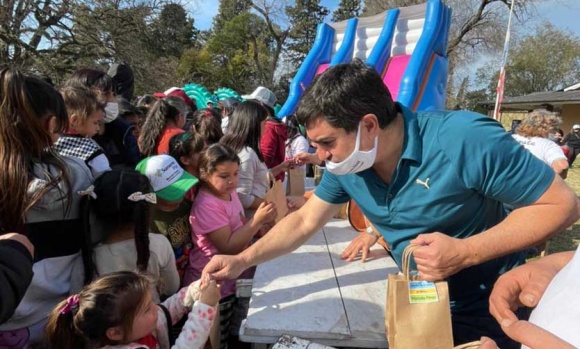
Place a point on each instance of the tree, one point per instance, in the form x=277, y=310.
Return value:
x=304, y=17
x=271, y=12
x=475, y=25
x=347, y=9
x=373, y=7
x=547, y=60
x=241, y=53
x=173, y=31
x=29, y=30
x=229, y=9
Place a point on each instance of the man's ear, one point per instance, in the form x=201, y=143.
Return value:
x=370, y=122
x=114, y=333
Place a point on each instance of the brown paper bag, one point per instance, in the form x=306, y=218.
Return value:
x=295, y=184
x=276, y=195
x=318, y=172
x=423, y=323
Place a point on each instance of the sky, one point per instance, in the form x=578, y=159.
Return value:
x=204, y=10
x=562, y=13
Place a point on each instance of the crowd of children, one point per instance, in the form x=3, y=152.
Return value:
x=125, y=203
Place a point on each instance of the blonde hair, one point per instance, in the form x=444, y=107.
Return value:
x=539, y=123
x=80, y=101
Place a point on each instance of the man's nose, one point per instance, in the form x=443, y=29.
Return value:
x=322, y=154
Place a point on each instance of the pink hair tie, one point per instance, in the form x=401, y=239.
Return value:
x=72, y=302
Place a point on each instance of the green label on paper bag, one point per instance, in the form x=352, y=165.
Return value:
x=422, y=292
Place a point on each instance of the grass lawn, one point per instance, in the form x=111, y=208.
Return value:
x=570, y=238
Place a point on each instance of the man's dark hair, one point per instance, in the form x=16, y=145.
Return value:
x=344, y=94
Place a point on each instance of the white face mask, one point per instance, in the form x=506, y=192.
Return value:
x=111, y=112
x=357, y=161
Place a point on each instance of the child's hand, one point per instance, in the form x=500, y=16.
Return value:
x=288, y=164
x=307, y=158
x=210, y=293
x=265, y=212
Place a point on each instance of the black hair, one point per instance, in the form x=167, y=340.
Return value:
x=271, y=113
x=112, y=205
x=127, y=109
x=215, y=155
x=97, y=80
x=146, y=100
x=344, y=94
x=207, y=122
x=178, y=103
x=244, y=128
x=292, y=127
x=185, y=144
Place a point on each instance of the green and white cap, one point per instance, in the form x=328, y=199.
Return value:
x=169, y=181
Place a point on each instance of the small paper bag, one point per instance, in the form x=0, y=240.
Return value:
x=295, y=184
x=276, y=195
x=418, y=314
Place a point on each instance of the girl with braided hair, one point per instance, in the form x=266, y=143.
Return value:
x=120, y=207
x=162, y=122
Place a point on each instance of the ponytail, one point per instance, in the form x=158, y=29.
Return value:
x=141, y=222
x=155, y=122
x=88, y=240
x=60, y=330
x=207, y=122
x=82, y=320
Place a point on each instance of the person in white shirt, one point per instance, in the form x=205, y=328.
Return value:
x=119, y=203
x=296, y=143
x=551, y=285
x=532, y=133
x=228, y=106
x=245, y=129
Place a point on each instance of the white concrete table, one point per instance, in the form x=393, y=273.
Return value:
x=313, y=294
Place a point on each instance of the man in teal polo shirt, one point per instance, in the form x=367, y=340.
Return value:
x=437, y=179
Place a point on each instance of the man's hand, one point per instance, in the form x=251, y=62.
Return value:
x=440, y=256
x=522, y=286
x=224, y=267
x=361, y=244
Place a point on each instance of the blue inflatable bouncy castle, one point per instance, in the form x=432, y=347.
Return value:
x=407, y=46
